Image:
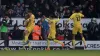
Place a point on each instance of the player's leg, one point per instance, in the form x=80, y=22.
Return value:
x=83, y=39
x=73, y=40
x=5, y=38
x=48, y=42
x=53, y=35
x=26, y=34
x=57, y=41
x=74, y=32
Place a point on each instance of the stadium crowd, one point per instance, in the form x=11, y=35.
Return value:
x=42, y=8
x=18, y=8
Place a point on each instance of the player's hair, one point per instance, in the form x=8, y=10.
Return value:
x=29, y=11
x=26, y=16
x=77, y=9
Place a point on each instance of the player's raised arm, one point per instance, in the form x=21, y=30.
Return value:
x=82, y=15
x=71, y=17
x=57, y=20
x=68, y=20
x=49, y=19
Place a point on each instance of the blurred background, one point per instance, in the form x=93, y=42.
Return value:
x=18, y=8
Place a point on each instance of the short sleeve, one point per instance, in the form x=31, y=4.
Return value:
x=82, y=15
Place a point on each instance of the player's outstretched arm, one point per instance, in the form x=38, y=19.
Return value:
x=57, y=20
x=48, y=19
x=67, y=21
x=71, y=17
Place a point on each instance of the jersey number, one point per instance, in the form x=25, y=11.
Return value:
x=78, y=18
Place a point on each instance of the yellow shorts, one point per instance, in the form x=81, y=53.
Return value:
x=52, y=35
x=77, y=29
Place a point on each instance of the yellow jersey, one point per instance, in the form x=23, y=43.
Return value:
x=52, y=23
x=31, y=21
x=76, y=17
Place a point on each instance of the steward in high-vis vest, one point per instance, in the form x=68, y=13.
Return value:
x=36, y=35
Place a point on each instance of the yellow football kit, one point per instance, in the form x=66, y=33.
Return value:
x=29, y=26
x=52, y=29
x=76, y=17
x=52, y=32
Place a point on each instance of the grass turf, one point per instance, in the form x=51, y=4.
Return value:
x=51, y=53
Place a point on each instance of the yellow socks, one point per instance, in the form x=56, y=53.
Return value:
x=73, y=42
x=83, y=39
x=57, y=41
x=26, y=39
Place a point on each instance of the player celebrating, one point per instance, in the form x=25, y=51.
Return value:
x=76, y=17
x=52, y=33
x=29, y=24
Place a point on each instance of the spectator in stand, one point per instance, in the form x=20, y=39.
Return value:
x=67, y=33
x=23, y=10
x=10, y=13
x=47, y=10
x=42, y=6
x=31, y=4
x=67, y=13
x=91, y=12
x=16, y=33
x=0, y=12
x=18, y=10
x=45, y=28
x=61, y=2
x=97, y=8
x=92, y=29
x=72, y=6
x=53, y=6
x=39, y=15
x=36, y=10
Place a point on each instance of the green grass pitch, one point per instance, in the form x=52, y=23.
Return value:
x=51, y=53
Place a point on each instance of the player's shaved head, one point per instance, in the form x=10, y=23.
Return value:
x=29, y=13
